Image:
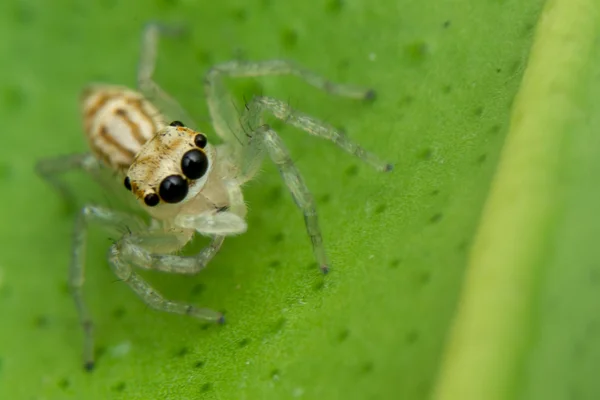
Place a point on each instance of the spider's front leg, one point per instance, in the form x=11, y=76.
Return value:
x=124, y=254
x=115, y=221
x=139, y=249
x=224, y=115
x=132, y=249
x=249, y=142
x=266, y=139
x=135, y=249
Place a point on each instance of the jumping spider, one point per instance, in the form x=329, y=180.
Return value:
x=186, y=184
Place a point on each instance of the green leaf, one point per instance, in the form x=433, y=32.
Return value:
x=469, y=272
x=510, y=332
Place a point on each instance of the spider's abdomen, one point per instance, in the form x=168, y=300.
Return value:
x=118, y=122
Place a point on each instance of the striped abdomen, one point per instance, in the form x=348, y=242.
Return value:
x=118, y=122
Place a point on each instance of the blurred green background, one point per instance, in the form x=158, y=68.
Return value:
x=446, y=73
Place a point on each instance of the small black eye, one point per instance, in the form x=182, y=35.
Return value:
x=200, y=140
x=176, y=123
x=151, y=199
x=173, y=189
x=194, y=164
x=127, y=183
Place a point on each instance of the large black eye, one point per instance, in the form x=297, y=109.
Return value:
x=176, y=123
x=200, y=140
x=127, y=183
x=151, y=199
x=173, y=189
x=194, y=164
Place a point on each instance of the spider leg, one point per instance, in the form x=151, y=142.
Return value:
x=133, y=251
x=130, y=250
x=127, y=253
x=269, y=139
x=52, y=168
x=223, y=113
x=136, y=249
x=151, y=296
x=283, y=111
x=147, y=64
x=109, y=219
x=264, y=139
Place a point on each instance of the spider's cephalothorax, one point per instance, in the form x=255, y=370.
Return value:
x=171, y=169
x=187, y=185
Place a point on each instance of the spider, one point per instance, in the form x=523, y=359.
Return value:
x=186, y=184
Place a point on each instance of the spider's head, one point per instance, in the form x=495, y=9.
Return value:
x=171, y=168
